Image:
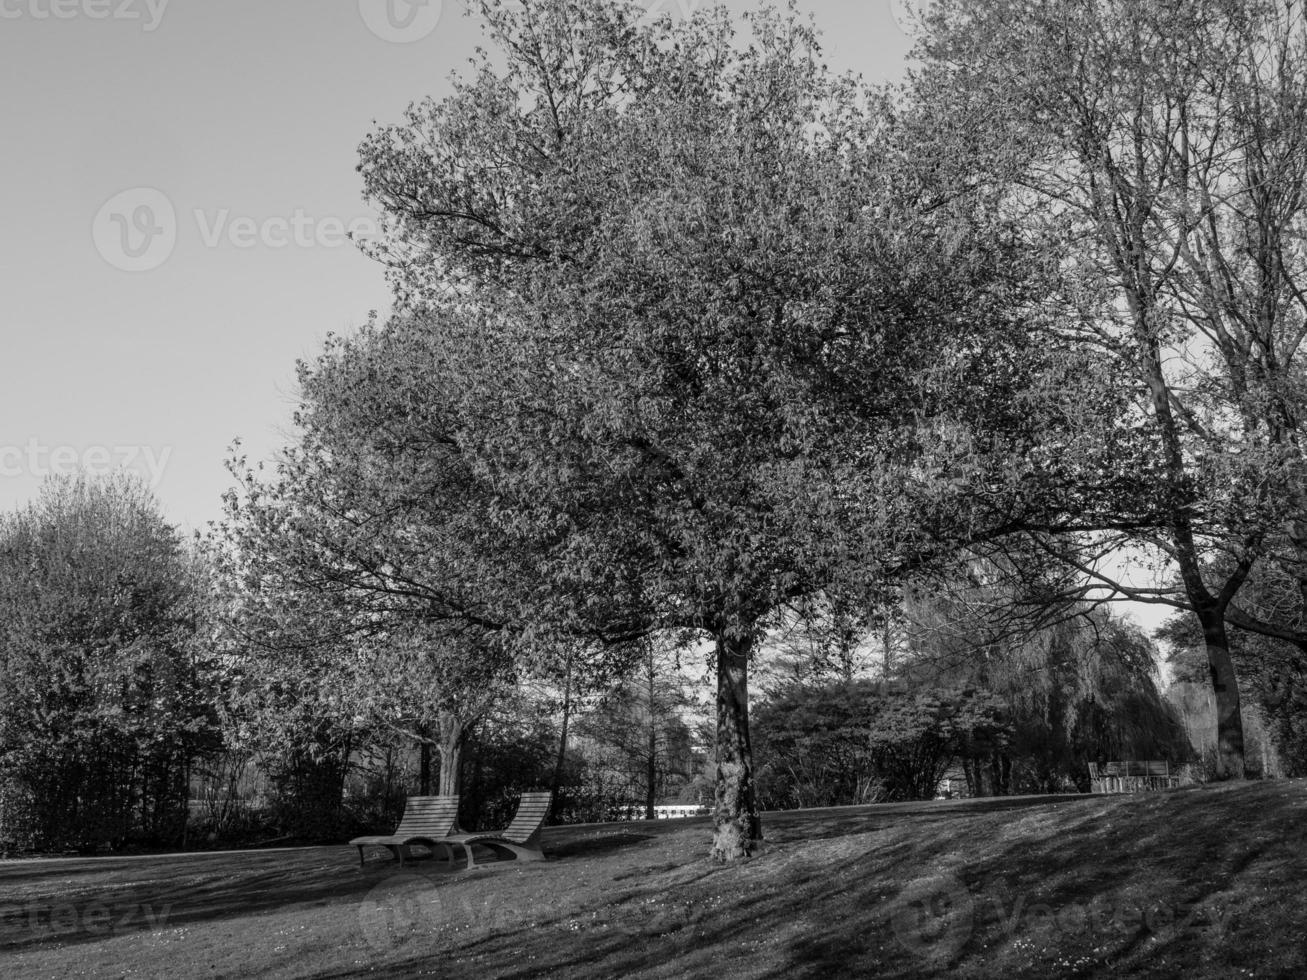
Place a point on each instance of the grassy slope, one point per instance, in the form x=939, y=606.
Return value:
x=1194, y=883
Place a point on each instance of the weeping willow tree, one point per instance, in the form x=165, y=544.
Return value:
x=1081, y=683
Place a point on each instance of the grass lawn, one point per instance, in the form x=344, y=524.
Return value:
x=1204, y=883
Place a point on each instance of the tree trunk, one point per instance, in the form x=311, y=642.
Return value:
x=1225, y=687
x=451, y=754
x=562, y=738
x=424, y=760
x=889, y=650
x=1002, y=774
x=650, y=796
x=738, y=827
x=651, y=765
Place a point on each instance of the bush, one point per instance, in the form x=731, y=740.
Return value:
x=865, y=742
x=105, y=698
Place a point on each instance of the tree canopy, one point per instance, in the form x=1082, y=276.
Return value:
x=713, y=331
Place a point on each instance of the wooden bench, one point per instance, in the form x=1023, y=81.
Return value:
x=520, y=840
x=425, y=818
x=1131, y=776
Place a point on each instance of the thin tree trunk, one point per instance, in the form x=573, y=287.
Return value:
x=738, y=826
x=556, y=783
x=651, y=762
x=889, y=649
x=424, y=760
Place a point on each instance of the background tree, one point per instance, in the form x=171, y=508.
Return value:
x=639, y=728
x=1158, y=148
x=1078, y=684
x=863, y=741
x=108, y=687
x=374, y=550
x=288, y=710
x=822, y=640
x=1271, y=673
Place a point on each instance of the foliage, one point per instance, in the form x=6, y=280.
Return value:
x=637, y=734
x=108, y=687
x=865, y=741
x=511, y=751
x=1274, y=673
x=707, y=333
x=1081, y=685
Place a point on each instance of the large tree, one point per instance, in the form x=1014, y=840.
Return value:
x=710, y=326
x=1159, y=148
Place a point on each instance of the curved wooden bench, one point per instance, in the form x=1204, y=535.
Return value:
x=426, y=818
x=520, y=840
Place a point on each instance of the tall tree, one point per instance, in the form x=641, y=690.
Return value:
x=1160, y=148
x=706, y=318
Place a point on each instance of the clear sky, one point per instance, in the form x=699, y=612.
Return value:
x=175, y=183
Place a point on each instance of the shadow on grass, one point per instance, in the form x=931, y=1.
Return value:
x=597, y=844
x=1159, y=885
x=85, y=901
x=1193, y=884
x=73, y=901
